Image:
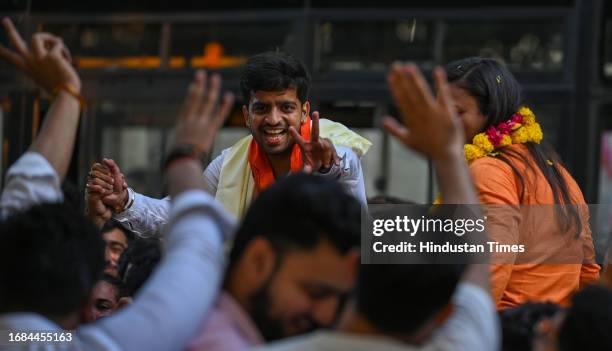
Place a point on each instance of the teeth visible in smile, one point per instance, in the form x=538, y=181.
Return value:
x=274, y=131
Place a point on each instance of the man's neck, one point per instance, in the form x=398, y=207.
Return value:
x=352, y=322
x=281, y=164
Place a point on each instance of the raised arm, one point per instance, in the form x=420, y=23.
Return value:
x=432, y=128
x=175, y=300
x=37, y=175
x=47, y=62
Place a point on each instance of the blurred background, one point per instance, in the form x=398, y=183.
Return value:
x=136, y=59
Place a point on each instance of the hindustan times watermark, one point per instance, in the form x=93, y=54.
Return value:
x=504, y=234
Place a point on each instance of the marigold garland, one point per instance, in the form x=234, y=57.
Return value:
x=519, y=129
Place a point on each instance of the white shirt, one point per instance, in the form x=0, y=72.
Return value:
x=172, y=304
x=147, y=215
x=30, y=180
x=472, y=327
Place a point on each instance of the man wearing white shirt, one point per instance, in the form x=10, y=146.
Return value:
x=285, y=137
x=61, y=254
x=418, y=306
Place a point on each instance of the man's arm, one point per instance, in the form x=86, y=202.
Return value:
x=174, y=301
x=37, y=175
x=434, y=130
x=348, y=172
x=47, y=62
x=146, y=216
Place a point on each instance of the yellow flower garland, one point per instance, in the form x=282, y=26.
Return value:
x=521, y=128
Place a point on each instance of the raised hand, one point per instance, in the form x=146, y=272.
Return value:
x=430, y=124
x=202, y=115
x=47, y=60
x=96, y=210
x=197, y=124
x=317, y=153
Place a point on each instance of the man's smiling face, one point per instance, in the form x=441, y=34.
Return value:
x=269, y=115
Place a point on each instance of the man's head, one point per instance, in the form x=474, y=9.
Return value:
x=117, y=239
x=50, y=258
x=275, y=88
x=138, y=262
x=295, y=254
x=406, y=301
x=520, y=324
x=586, y=325
x=103, y=299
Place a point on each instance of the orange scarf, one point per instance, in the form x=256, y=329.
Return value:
x=263, y=174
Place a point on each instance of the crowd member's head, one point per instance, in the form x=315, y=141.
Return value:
x=117, y=239
x=295, y=254
x=587, y=323
x=275, y=88
x=486, y=94
x=519, y=324
x=103, y=299
x=138, y=262
x=60, y=255
x=405, y=301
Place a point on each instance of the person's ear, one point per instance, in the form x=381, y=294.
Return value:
x=259, y=262
x=305, y=111
x=245, y=114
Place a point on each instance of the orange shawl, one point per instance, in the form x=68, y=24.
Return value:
x=263, y=174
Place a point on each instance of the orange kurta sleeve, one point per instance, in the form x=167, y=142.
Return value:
x=589, y=271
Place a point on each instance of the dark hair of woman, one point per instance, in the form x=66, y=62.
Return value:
x=499, y=96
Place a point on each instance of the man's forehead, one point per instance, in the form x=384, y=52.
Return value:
x=327, y=267
x=115, y=234
x=263, y=96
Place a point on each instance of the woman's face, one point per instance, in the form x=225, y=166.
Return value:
x=467, y=110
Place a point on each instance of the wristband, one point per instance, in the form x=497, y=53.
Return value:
x=184, y=151
x=130, y=201
x=68, y=88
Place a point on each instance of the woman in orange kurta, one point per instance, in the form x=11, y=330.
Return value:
x=531, y=199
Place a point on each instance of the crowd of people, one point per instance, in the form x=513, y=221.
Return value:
x=260, y=249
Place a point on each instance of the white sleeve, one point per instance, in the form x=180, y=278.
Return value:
x=29, y=181
x=147, y=216
x=474, y=324
x=349, y=173
x=212, y=173
x=171, y=306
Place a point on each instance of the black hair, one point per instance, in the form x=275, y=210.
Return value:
x=274, y=71
x=587, y=323
x=401, y=298
x=60, y=254
x=114, y=281
x=499, y=96
x=137, y=263
x=519, y=323
x=114, y=224
x=298, y=212
x=73, y=196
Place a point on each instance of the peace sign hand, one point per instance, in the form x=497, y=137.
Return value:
x=318, y=154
